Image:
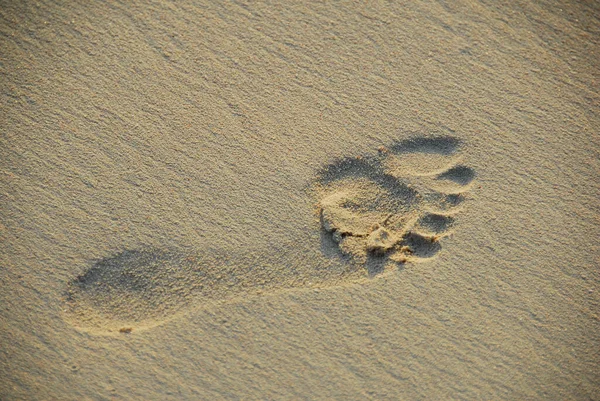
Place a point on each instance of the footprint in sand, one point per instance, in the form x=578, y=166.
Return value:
x=376, y=212
x=395, y=206
x=138, y=289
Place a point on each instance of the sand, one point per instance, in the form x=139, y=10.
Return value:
x=238, y=200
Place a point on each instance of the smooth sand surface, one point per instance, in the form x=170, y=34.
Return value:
x=212, y=200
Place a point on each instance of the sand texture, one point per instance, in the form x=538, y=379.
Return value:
x=210, y=200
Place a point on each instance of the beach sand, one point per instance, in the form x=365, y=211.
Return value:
x=240, y=200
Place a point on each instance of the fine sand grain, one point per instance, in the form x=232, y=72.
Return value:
x=214, y=200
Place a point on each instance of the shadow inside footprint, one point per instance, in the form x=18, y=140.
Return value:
x=421, y=246
x=444, y=145
x=376, y=264
x=349, y=167
x=435, y=223
x=461, y=175
x=134, y=286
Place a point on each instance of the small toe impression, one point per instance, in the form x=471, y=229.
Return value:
x=443, y=202
x=461, y=175
x=422, y=246
x=435, y=223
